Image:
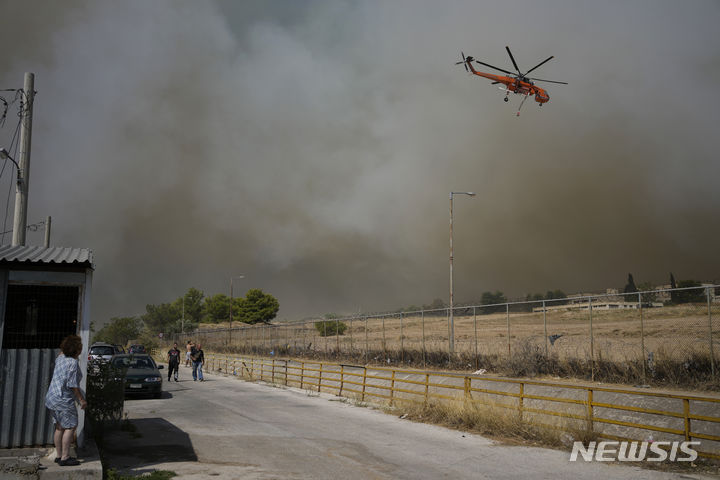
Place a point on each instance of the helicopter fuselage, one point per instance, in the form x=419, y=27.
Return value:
x=515, y=85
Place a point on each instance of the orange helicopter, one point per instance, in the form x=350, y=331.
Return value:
x=519, y=84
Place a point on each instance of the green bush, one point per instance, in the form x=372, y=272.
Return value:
x=105, y=397
x=330, y=328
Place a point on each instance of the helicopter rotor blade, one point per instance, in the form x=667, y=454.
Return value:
x=536, y=66
x=513, y=60
x=464, y=61
x=549, y=81
x=496, y=68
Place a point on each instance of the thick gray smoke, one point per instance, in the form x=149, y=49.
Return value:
x=312, y=145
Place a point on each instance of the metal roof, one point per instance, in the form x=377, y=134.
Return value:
x=36, y=254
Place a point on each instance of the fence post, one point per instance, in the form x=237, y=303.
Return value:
x=362, y=399
x=422, y=315
x=710, y=337
x=427, y=385
x=392, y=388
x=521, y=400
x=351, y=337
x=450, y=339
x=545, y=328
x=477, y=359
x=272, y=377
x=402, y=341
x=320, y=378
x=592, y=343
x=468, y=395
x=643, y=356
x=337, y=335
x=302, y=374
x=383, y=337
x=286, y=372
x=507, y=314
x=590, y=411
x=342, y=379
x=367, y=347
x=686, y=415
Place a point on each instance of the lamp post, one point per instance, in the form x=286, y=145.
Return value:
x=231, y=305
x=452, y=320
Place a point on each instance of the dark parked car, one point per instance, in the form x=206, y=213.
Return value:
x=100, y=351
x=119, y=349
x=137, y=349
x=142, y=376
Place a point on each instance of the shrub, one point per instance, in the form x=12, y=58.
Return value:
x=105, y=397
x=330, y=328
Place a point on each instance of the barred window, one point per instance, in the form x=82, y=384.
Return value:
x=39, y=316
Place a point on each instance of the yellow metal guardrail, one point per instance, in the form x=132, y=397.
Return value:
x=394, y=384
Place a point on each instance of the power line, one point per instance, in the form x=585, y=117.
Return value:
x=34, y=227
x=13, y=147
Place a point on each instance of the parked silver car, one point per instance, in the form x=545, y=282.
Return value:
x=100, y=351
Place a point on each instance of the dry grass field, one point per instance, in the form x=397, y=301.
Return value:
x=671, y=342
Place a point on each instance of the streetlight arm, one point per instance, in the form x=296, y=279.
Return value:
x=5, y=155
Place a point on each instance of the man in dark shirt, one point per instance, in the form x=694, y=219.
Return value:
x=198, y=358
x=173, y=362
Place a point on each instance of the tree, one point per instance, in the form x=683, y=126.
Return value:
x=193, y=303
x=629, y=288
x=257, y=307
x=490, y=298
x=673, y=286
x=217, y=308
x=557, y=296
x=696, y=295
x=119, y=331
x=648, y=296
x=436, y=304
x=161, y=318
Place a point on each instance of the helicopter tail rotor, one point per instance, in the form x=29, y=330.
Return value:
x=465, y=61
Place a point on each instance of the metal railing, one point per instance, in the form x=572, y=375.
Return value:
x=656, y=334
x=613, y=413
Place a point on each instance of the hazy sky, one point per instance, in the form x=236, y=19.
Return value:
x=312, y=146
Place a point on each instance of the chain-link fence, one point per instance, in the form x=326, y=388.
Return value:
x=660, y=336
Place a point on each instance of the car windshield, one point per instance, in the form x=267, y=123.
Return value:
x=130, y=362
x=101, y=350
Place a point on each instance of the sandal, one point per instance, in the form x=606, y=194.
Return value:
x=69, y=462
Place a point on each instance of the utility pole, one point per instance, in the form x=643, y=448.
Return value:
x=22, y=188
x=48, y=220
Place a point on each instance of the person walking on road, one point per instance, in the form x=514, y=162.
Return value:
x=173, y=362
x=198, y=358
x=188, y=352
x=64, y=390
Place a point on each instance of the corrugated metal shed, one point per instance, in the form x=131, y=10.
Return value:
x=34, y=274
x=35, y=254
x=26, y=374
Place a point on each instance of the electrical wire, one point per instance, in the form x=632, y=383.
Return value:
x=13, y=146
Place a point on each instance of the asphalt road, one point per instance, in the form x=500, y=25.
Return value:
x=226, y=428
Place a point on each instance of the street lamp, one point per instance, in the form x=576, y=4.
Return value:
x=5, y=155
x=231, y=303
x=452, y=320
